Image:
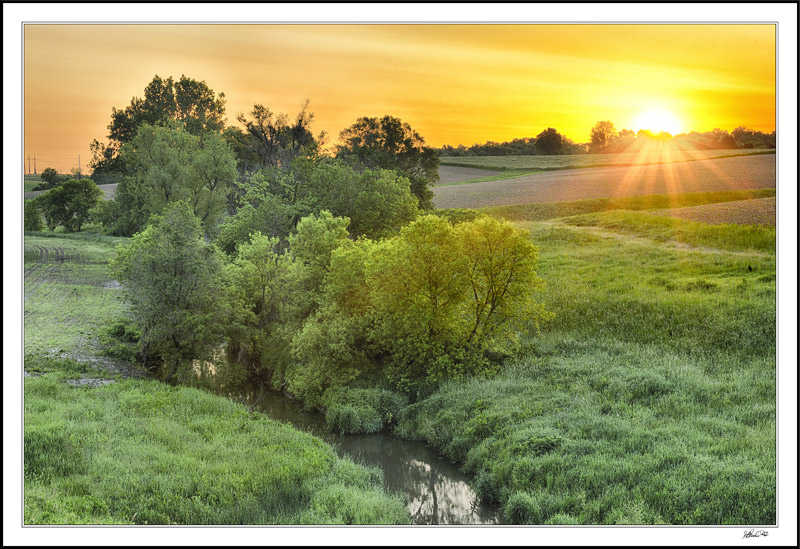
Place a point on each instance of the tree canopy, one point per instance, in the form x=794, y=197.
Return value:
x=188, y=102
x=392, y=144
x=69, y=204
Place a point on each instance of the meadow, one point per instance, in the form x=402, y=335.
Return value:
x=649, y=399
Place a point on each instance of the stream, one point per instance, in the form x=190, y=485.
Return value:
x=434, y=489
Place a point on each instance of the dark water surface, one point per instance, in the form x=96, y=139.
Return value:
x=434, y=490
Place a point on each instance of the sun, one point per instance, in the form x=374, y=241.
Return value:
x=658, y=121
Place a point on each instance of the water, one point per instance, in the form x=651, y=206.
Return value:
x=434, y=490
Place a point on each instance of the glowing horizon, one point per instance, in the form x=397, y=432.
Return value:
x=455, y=84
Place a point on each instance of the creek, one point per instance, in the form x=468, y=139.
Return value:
x=434, y=489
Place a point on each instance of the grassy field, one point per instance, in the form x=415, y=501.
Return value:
x=101, y=448
x=30, y=181
x=551, y=210
x=571, y=161
x=649, y=399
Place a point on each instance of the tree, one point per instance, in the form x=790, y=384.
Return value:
x=258, y=278
x=602, y=134
x=277, y=141
x=69, y=204
x=32, y=220
x=174, y=283
x=168, y=164
x=549, y=142
x=391, y=144
x=189, y=103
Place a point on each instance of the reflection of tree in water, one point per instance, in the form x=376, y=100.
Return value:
x=435, y=491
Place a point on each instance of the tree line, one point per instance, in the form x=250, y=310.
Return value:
x=606, y=139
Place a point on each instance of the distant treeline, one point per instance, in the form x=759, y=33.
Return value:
x=605, y=139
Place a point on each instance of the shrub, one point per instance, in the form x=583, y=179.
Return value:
x=32, y=217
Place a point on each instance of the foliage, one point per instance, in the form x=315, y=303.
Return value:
x=187, y=103
x=424, y=306
x=258, y=279
x=274, y=140
x=51, y=179
x=68, y=204
x=391, y=144
x=142, y=452
x=602, y=134
x=349, y=410
x=174, y=282
x=377, y=202
x=32, y=217
x=168, y=164
x=549, y=141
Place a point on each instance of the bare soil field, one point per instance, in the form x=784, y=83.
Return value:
x=721, y=174
x=457, y=174
x=760, y=211
x=570, y=161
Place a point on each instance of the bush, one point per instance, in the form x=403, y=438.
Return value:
x=362, y=410
x=68, y=205
x=348, y=418
x=32, y=217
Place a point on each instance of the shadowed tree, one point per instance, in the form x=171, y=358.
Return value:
x=190, y=103
x=602, y=134
x=549, y=142
x=391, y=144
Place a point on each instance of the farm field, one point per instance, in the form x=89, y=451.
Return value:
x=721, y=174
x=559, y=162
x=649, y=399
x=750, y=212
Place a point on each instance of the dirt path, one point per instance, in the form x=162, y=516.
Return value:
x=722, y=174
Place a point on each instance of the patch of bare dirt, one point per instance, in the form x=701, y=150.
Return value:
x=758, y=211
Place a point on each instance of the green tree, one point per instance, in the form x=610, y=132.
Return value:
x=32, y=220
x=69, y=204
x=549, y=141
x=392, y=144
x=258, y=279
x=51, y=179
x=168, y=164
x=188, y=102
x=602, y=134
x=174, y=283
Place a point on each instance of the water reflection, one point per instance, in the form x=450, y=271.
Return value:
x=435, y=491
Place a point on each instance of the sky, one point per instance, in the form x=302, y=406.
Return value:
x=454, y=84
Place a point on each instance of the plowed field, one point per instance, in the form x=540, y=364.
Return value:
x=721, y=174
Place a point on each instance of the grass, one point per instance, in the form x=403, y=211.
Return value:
x=141, y=452
x=30, y=181
x=651, y=396
x=573, y=161
x=552, y=210
x=67, y=293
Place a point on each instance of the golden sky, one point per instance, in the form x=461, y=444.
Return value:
x=455, y=84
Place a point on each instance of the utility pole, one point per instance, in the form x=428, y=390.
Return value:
x=79, y=165
x=34, y=163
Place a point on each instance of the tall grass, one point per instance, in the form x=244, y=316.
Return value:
x=649, y=399
x=141, y=452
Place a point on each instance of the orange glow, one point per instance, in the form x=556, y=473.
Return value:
x=455, y=84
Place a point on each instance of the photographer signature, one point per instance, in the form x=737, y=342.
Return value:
x=753, y=533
